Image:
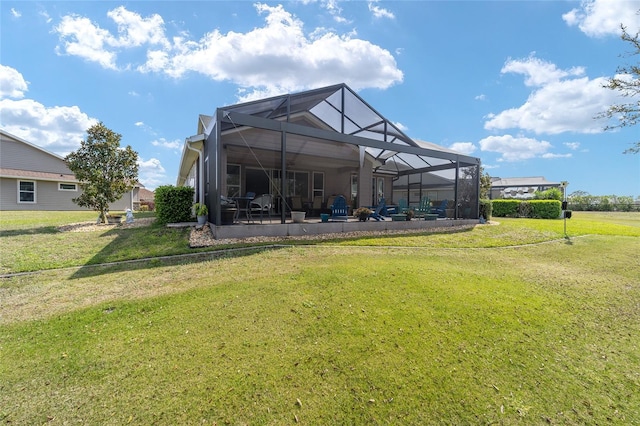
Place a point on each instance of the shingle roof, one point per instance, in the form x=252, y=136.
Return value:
x=14, y=173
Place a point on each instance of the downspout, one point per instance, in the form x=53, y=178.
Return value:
x=455, y=189
x=200, y=171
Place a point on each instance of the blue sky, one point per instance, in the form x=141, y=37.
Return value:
x=516, y=83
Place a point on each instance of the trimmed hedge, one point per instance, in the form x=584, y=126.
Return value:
x=486, y=209
x=505, y=208
x=173, y=204
x=545, y=209
x=539, y=209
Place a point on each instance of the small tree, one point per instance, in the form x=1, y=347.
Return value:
x=105, y=171
x=485, y=184
x=627, y=82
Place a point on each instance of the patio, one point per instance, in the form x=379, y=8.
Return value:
x=272, y=227
x=302, y=150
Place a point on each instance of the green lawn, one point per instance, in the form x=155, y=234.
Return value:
x=476, y=327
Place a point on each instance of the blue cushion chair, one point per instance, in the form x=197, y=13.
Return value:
x=339, y=209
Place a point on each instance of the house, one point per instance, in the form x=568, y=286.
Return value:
x=519, y=187
x=314, y=145
x=32, y=178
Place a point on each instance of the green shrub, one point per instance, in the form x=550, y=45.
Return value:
x=549, y=194
x=505, y=208
x=539, y=209
x=173, y=204
x=524, y=209
x=545, y=209
x=486, y=209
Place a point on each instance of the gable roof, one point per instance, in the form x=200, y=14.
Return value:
x=18, y=139
x=44, y=166
x=522, y=181
x=339, y=109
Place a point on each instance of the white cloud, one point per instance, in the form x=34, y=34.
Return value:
x=58, y=129
x=480, y=97
x=550, y=155
x=276, y=58
x=81, y=37
x=151, y=173
x=46, y=16
x=162, y=142
x=599, y=18
x=490, y=166
x=12, y=84
x=379, y=12
x=134, y=30
x=335, y=11
x=538, y=72
x=561, y=102
x=572, y=145
x=463, y=147
x=15, y=13
x=515, y=148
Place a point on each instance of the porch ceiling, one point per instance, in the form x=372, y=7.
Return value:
x=253, y=146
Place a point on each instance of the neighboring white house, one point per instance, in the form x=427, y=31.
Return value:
x=32, y=178
x=519, y=187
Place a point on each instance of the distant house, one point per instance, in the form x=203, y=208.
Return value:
x=305, y=148
x=519, y=187
x=32, y=178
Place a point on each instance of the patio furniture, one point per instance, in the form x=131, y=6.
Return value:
x=243, y=205
x=339, y=209
x=379, y=208
x=316, y=207
x=424, y=207
x=441, y=209
x=261, y=204
x=402, y=206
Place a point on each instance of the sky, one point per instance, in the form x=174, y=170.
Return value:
x=516, y=83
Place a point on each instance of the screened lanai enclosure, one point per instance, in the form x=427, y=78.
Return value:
x=304, y=149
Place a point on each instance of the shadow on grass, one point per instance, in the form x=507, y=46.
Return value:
x=29, y=231
x=151, y=247
x=171, y=260
x=158, y=246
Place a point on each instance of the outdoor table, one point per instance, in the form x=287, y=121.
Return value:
x=243, y=206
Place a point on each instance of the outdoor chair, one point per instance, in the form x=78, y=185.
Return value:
x=379, y=208
x=317, y=204
x=261, y=204
x=330, y=201
x=296, y=203
x=441, y=210
x=243, y=205
x=339, y=209
x=424, y=208
x=403, y=207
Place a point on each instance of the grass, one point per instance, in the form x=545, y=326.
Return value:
x=444, y=332
x=30, y=240
x=41, y=246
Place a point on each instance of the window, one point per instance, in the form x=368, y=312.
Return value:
x=67, y=187
x=354, y=186
x=318, y=184
x=233, y=180
x=378, y=190
x=298, y=184
x=26, y=191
